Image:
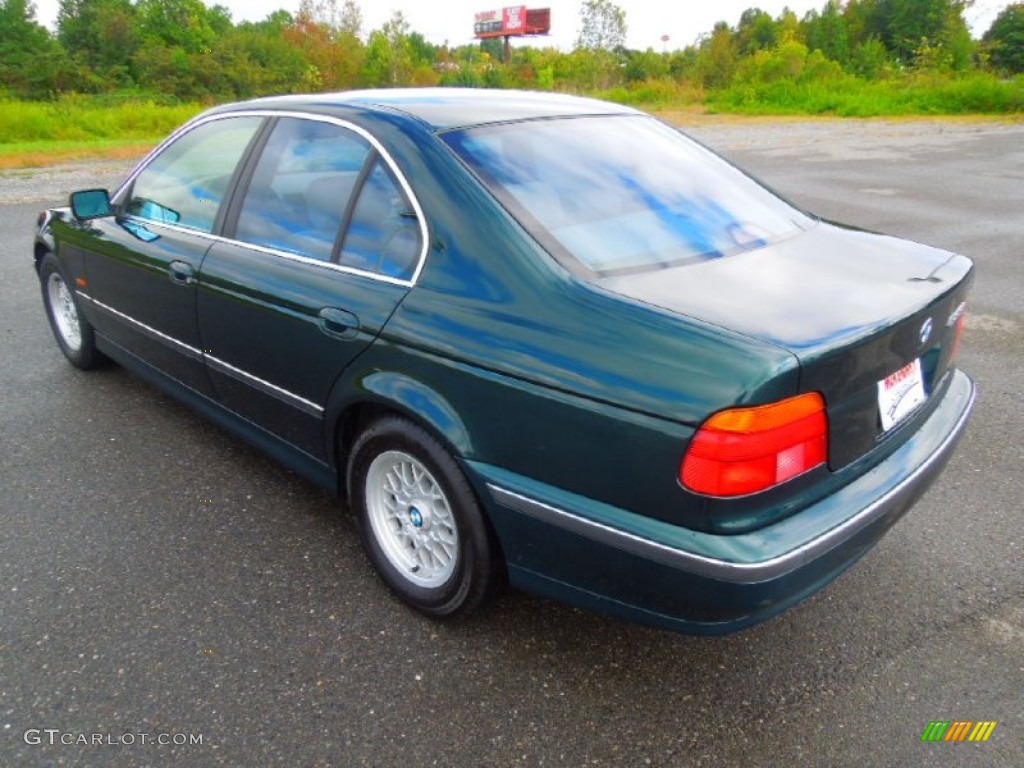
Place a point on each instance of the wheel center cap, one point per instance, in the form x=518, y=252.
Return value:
x=415, y=517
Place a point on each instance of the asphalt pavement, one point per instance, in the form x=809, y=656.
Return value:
x=169, y=596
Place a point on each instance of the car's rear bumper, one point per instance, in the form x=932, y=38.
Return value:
x=575, y=549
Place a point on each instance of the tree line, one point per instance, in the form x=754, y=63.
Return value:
x=186, y=50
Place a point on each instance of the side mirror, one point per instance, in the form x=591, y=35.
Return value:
x=91, y=204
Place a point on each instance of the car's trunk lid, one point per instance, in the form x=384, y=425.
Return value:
x=855, y=308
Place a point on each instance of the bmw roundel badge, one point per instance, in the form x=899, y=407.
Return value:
x=926, y=331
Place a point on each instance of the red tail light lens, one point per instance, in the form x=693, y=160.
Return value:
x=746, y=450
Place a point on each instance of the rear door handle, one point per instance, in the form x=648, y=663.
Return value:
x=338, y=322
x=181, y=273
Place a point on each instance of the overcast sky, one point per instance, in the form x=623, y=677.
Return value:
x=452, y=20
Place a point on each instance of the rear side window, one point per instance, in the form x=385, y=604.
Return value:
x=384, y=234
x=186, y=183
x=301, y=187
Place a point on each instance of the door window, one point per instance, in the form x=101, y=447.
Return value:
x=301, y=187
x=186, y=183
x=384, y=234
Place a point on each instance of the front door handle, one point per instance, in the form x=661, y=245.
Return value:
x=181, y=273
x=338, y=322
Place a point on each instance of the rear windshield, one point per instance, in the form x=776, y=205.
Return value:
x=621, y=194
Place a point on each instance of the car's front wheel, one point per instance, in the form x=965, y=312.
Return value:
x=72, y=330
x=420, y=522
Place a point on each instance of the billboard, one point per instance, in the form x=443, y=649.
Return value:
x=513, y=20
x=507, y=21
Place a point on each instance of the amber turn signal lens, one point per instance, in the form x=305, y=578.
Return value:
x=745, y=450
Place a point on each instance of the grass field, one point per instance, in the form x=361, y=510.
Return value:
x=831, y=92
x=848, y=96
x=83, y=118
x=72, y=128
x=75, y=127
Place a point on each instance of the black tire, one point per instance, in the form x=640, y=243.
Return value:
x=410, y=523
x=74, y=334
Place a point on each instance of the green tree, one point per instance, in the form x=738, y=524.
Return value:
x=340, y=19
x=599, y=58
x=827, y=32
x=493, y=47
x=870, y=59
x=534, y=68
x=789, y=27
x=32, y=63
x=102, y=37
x=258, y=59
x=180, y=49
x=646, y=65
x=462, y=67
x=327, y=36
x=934, y=27
x=602, y=26
x=757, y=31
x=275, y=23
x=389, y=54
x=684, y=64
x=423, y=52
x=864, y=21
x=185, y=24
x=717, y=58
x=1005, y=39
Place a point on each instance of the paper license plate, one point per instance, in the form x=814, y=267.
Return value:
x=900, y=393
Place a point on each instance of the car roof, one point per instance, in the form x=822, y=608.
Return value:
x=442, y=108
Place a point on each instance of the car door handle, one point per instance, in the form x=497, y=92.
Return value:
x=338, y=322
x=181, y=273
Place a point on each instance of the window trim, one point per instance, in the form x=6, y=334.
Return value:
x=252, y=153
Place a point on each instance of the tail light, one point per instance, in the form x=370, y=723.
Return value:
x=746, y=450
x=959, y=318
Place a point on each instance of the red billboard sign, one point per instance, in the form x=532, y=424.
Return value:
x=538, y=21
x=515, y=19
x=507, y=21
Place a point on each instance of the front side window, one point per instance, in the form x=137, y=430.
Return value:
x=186, y=183
x=301, y=187
x=623, y=194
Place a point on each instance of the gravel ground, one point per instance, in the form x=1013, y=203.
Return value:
x=37, y=185
x=841, y=139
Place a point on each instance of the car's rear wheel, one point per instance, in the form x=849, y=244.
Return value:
x=420, y=522
x=72, y=330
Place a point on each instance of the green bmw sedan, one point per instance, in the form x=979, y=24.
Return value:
x=528, y=339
